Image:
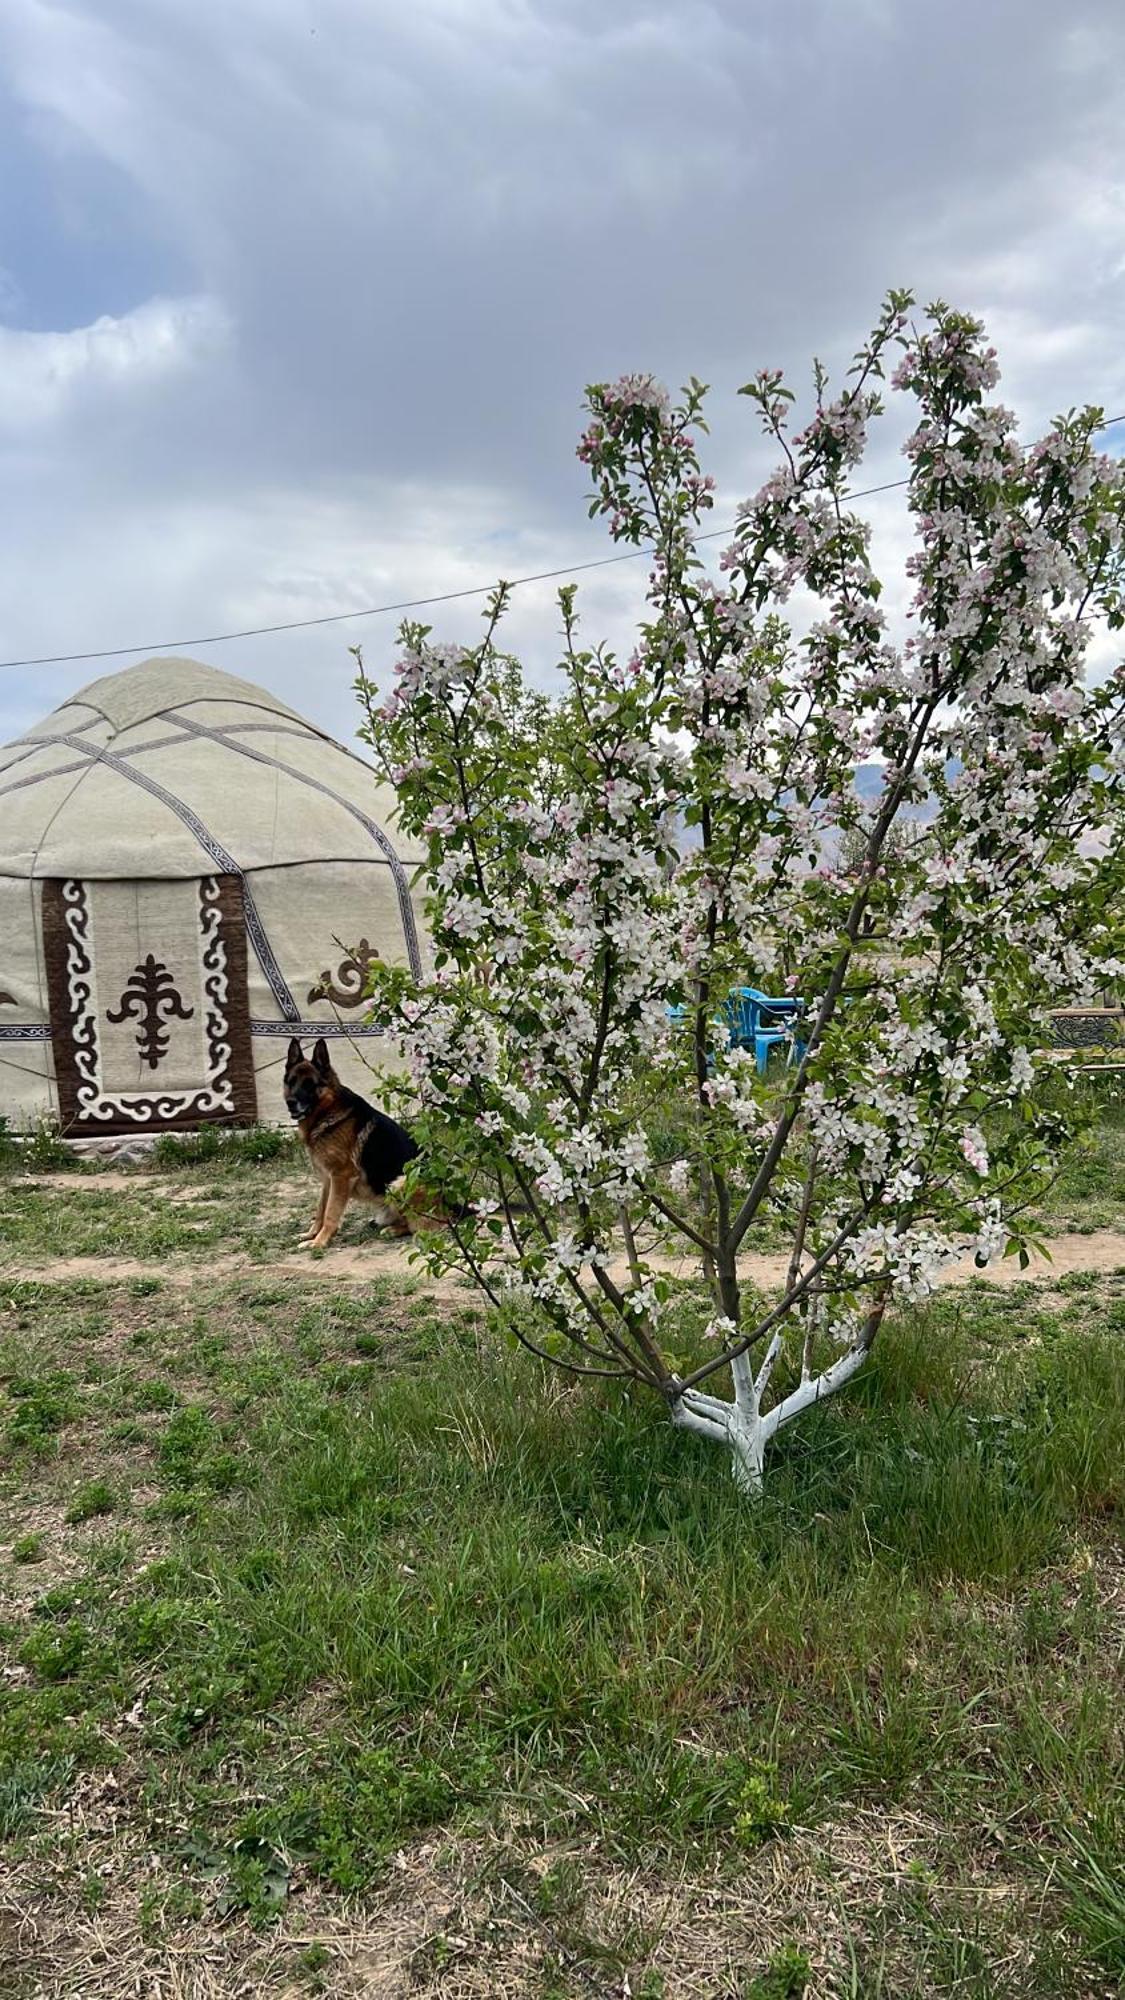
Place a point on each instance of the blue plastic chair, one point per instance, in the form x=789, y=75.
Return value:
x=750, y=1016
x=764, y=1021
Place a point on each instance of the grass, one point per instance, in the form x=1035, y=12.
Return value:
x=314, y=1599
x=94, y=1222
x=44, y=1150
x=227, y=1200
x=1093, y=1884
x=305, y=1580
x=1090, y=1192
x=38, y=1151
x=218, y=1189
x=94, y=1497
x=226, y=1146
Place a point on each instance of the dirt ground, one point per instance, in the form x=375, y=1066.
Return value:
x=1102, y=1251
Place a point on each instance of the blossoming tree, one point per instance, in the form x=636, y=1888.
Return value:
x=607, y=864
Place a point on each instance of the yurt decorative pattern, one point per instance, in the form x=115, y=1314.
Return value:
x=190, y=873
x=175, y=1049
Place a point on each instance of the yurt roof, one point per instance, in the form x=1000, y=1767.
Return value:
x=172, y=769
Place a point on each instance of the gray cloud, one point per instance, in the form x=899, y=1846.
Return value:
x=417, y=232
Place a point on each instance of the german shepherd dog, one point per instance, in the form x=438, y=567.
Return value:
x=358, y=1151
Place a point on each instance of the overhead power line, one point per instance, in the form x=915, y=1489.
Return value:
x=158, y=646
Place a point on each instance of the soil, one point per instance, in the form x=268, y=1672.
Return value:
x=1101, y=1251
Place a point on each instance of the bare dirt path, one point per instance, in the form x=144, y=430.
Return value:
x=1102, y=1252
x=112, y=1180
x=146, y=1186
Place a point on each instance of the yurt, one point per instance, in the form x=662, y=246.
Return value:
x=190, y=873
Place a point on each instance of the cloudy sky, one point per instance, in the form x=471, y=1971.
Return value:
x=298, y=297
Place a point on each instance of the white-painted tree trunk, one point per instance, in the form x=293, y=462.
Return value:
x=741, y=1424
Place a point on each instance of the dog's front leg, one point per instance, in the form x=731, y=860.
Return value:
x=338, y=1194
x=317, y=1223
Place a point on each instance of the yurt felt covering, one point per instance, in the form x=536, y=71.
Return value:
x=190, y=873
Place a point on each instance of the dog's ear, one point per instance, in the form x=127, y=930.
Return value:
x=294, y=1056
x=320, y=1057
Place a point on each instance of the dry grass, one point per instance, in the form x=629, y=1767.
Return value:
x=864, y=1899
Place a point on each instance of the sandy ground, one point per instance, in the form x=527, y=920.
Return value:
x=1101, y=1251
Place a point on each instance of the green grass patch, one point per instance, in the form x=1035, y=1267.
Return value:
x=49, y=1222
x=93, y=1498
x=1093, y=1884
x=227, y=1146
x=34, y=1152
x=409, y=1581
x=1090, y=1191
x=37, y=1407
x=29, y=1548
x=44, y=1222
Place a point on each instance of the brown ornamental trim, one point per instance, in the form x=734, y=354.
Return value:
x=226, y=1095
x=349, y=988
